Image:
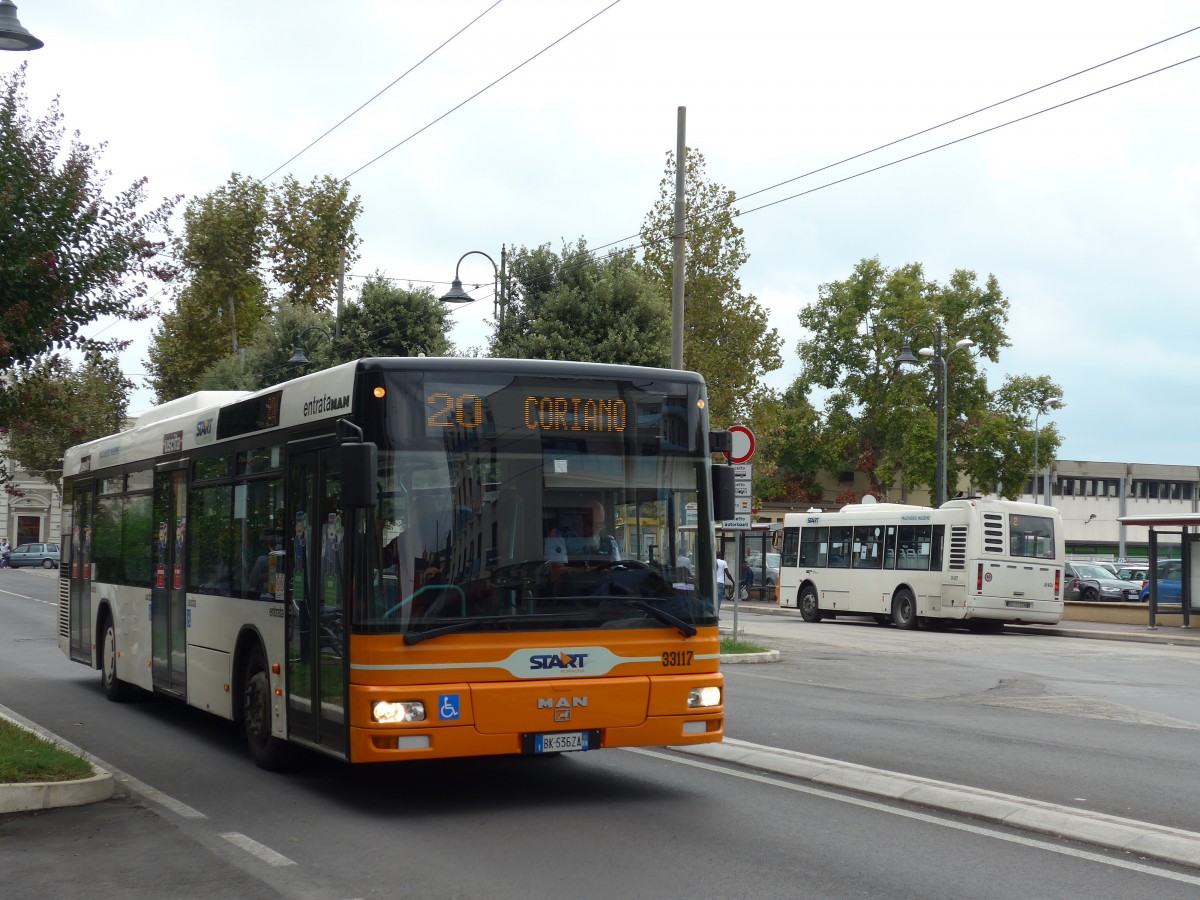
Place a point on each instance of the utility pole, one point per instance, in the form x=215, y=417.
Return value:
x=678, y=244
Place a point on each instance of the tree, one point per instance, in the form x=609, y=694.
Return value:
x=270, y=348
x=1000, y=446
x=311, y=226
x=57, y=405
x=231, y=237
x=68, y=253
x=390, y=321
x=223, y=295
x=881, y=420
x=726, y=334
x=575, y=306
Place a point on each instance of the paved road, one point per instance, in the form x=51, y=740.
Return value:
x=618, y=824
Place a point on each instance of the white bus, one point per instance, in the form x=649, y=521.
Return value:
x=975, y=561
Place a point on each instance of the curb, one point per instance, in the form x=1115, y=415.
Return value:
x=1160, y=842
x=28, y=796
x=766, y=656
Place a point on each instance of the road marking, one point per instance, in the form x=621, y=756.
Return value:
x=254, y=848
x=924, y=817
x=34, y=599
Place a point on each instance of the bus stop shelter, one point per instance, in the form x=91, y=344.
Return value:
x=1183, y=524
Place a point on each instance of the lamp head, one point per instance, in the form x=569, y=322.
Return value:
x=965, y=342
x=456, y=294
x=906, y=357
x=926, y=352
x=298, y=358
x=12, y=35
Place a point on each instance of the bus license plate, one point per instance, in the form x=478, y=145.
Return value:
x=560, y=743
x=1019, y=604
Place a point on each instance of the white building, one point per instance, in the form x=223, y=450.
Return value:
x=33, y=512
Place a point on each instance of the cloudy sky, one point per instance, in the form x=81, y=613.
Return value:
x=1087, y=214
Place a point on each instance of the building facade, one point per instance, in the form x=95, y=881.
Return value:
x=32, y=512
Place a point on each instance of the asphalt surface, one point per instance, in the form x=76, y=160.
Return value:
x=119, y=847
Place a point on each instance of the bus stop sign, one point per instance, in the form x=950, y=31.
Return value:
x=743, y=444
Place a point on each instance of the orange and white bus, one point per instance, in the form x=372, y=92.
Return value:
x=975, y=561
x=408, y=558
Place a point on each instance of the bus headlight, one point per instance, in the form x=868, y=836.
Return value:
x=703, y=697
x=387, y=712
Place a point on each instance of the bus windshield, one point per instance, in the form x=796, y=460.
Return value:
x=525, y=503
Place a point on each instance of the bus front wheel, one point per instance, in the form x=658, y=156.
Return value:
x=904, y=610
x=267, y=751
x=810, y=607
x=114, y=688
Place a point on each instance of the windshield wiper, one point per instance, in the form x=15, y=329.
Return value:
x=415, y=637
x=686, y=628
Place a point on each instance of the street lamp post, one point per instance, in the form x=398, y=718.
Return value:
x=1045, y=407
x=12, y=35
x=456, y=294
x=906, y=357
x=298, y=358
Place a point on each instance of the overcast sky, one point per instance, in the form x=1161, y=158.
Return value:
x=1088, y=215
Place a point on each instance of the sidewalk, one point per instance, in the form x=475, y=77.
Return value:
x=1098, y=631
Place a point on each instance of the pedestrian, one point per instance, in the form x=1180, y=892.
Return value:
x=5, y=554
x=747, y=577
x=722, y=577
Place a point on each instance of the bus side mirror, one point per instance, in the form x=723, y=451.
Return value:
x=359, y=466
x=722, y=485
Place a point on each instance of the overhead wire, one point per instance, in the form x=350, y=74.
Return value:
x=363, y=106
x=932, y=128
x=482, y=90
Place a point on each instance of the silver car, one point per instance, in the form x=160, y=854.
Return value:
x=1090, y=583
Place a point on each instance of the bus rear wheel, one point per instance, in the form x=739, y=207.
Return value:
x=904, y=610
x=810, y=607
x=267, y=751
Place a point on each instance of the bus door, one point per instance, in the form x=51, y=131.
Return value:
x=79, y=574
x=316, y=611
x=168, y=612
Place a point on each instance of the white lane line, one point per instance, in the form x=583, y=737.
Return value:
x=23, y=597
x=254, y=848
x=176, y=806
x=923, y=817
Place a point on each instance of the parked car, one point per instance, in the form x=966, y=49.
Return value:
x=1170, y=583
x=1138, y=574
x=770, y=577
x=1091, y=582
x=44, y=555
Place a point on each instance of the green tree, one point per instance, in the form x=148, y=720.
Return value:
x=57, y=405
x=575, y=306
x=311, y=225
x=1000, y=445
x=267, y=355
x=390, y=321
x=880, y=419
x=231, y=237
x=726, y=334
x=222, y=297
x=68, y=253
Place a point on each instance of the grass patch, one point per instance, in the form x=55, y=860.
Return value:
x=24, y=756
x=729, y=645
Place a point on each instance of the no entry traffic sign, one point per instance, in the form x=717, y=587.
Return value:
x=743, y=444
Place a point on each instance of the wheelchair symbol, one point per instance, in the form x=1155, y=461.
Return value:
x=448, y=707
